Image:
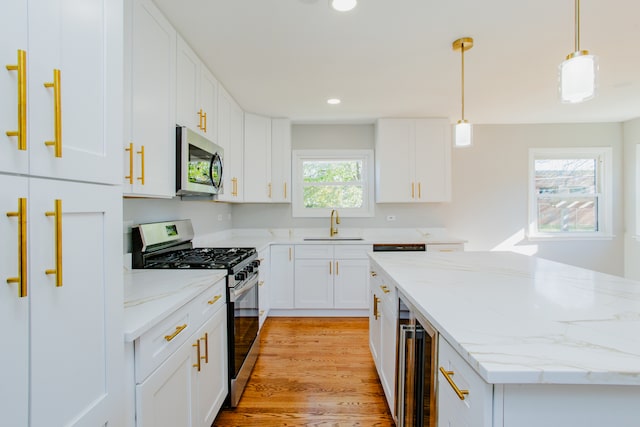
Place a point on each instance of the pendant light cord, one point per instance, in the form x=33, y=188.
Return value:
x=462, y=78
x=577, y=41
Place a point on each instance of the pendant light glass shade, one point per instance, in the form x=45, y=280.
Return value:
x=578, y=77
x=463, y=134
x=578, y=73
x=343, y=5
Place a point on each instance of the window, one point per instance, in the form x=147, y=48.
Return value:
x=335, y=179
x=570, y=193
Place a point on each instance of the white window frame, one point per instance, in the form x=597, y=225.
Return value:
x=366, y=156
x=604, y=192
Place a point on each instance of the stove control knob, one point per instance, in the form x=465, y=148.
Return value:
x=241, y=275
x=255, y=263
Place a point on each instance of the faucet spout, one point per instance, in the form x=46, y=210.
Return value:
x=333, y=230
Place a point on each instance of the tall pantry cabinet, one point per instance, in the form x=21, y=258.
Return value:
x=61, y=219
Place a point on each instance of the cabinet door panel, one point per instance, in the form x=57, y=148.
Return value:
x=76, y=329
x=165, y=398
x=282, y=276
x=394, y=160
x=433, y=159
x=281, y=159
x=313, y=283
x=14, y=311
x=13, y=36
x=150, y=101
x=188, y=75
x=85, y=44
x=212, y=385
x=350, y=281
x=257, y=158
x=209, y=103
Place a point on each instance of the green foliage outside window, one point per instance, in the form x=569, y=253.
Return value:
x=332, y=184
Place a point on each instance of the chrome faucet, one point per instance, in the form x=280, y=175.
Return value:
x=334, y=229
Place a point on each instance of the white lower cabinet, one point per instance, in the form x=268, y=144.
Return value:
x=473, y=408
x=187, y=383
x=331, y=276
x=281, y=276
x=383, y=316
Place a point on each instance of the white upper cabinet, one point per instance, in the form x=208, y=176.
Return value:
x=231, y=139
x=258, y=187
x=197, y=93
x=281, y=160
x=150, y=76
x=413, y=160
x=71, y=79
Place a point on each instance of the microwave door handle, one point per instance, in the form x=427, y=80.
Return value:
x=215, y=159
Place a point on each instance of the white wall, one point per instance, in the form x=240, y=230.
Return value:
x=631, y=130
x=490, y=197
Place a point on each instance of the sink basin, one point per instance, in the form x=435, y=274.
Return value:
x=329, y=239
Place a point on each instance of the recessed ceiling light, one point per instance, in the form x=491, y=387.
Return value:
x=333, y=101
x=343, y=5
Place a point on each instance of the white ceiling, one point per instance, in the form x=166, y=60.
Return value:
x=393, y=58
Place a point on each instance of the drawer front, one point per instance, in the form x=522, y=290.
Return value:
x=211, y=300
x=445, y=247
x=476, y=407
x=153, y=347
x=351, y=251
x=314, y=251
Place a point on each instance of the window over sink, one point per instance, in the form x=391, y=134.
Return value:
x=332, y=179
x=570, y=193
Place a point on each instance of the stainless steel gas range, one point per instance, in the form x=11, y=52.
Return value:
x=169, y=245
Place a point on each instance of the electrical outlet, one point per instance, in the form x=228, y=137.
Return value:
x=391, y=217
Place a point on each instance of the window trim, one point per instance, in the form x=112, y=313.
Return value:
x=367, y=157
x=604, y=177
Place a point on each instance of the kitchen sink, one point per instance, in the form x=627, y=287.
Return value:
x=329, y=239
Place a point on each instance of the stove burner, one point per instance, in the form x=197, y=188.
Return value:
x=203, y=258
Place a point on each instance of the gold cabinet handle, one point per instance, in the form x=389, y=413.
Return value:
x=176, y=332
x=330, y=267
x=261, y=283
x=376, y=310
x=57, y=214
x=130, y=150
x=289, y=254
x=141, y=152
x=413, y=192
x=21, y=68
x=234, y=186
x=21, y=280
x=385, y=289
x=198, y=357
x=206, y=347
x=419, y=190
x=374, y=274
x=200, y=115
x=57, y=109
x=337, y=268
x=285, y=191
x=447, y=375
x=214, y=300
x=205, y=123
x=261, y=313
x=269, y=190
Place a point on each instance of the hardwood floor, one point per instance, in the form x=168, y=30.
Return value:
x=312, y=372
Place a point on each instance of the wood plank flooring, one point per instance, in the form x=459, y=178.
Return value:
x=312, y=372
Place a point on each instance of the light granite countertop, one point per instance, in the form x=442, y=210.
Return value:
x=152, y=295
x=520, y=319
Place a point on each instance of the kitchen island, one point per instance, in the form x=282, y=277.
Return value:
x=551, y=344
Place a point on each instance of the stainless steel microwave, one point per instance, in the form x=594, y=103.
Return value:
x=199, y=164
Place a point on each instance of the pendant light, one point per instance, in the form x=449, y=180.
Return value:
x=463, y=132
x=343, y=5
x=578, y=72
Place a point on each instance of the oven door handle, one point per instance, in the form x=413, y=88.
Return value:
x=236, y=293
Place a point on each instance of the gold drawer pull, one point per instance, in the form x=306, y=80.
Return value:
x=21, y=68
x=376, y=310
x=214, y=300
x=447, y=375
x=57, y=109
x=261, y=283
x=130, y=150
x=261, y=313
x=385, y=289
x=141, y=152
x=57, y=214
x=374, y=274
x=175, y=333
x=206, y=347
x=21, y=280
